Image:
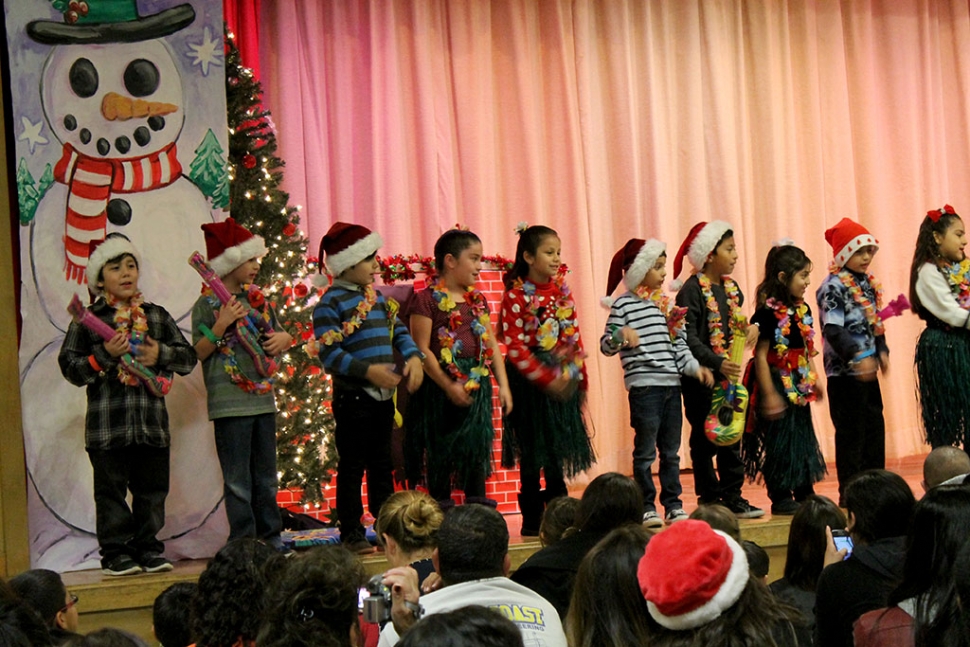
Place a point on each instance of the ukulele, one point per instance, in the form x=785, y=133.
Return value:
x=729, y=401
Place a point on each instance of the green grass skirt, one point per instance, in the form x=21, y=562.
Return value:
x=543, y=431
x=445, y=438
x=943, y=385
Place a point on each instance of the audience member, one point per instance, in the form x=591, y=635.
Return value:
x=314, y=601
x=699, y=591
x=609, y=501
x=758, y=561
x=229, y=603
x=720, y=518
x=45, y=593
x=407, y=528
x=607, y=608
x=171, y=615
x=471, y=626
x=806, y=556
x=924, y=608
x=961, y=577
x=473, y=561
x=945, y=465
x=21, y=626
x=880, y=506
x=107, y=637
x=557, y=519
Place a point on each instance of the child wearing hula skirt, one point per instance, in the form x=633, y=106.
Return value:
x=546, y=430
x=450, y=426
x=782, y=447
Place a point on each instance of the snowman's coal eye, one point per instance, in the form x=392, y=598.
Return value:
x=84, y=78
x=141, y=78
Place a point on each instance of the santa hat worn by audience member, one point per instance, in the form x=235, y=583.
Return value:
x=690, y=574
x=345, y=245
x=700, y=242
x=632, y=262
x=846, y=238
x=228, y=245
x=102, y=251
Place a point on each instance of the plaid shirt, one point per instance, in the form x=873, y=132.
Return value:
x=119, y=415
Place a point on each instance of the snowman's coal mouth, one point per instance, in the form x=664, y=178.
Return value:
x=142, y=135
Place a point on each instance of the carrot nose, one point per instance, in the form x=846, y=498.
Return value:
x=121, y=108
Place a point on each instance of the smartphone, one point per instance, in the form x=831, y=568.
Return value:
x=842, y=540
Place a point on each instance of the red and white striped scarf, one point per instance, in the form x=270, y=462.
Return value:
x=91, y=182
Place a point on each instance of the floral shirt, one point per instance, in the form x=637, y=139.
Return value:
x=837, y=308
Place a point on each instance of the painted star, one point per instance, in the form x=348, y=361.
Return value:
x=206, y=53
x=31, y=133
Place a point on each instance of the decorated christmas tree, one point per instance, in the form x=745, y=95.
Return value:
x=306, y=457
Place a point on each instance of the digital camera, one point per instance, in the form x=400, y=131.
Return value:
x=377, y=605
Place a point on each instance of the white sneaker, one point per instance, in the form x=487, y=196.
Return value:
x=675, y=515
x=652, y=520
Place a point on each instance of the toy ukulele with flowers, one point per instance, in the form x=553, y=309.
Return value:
x=729, y=400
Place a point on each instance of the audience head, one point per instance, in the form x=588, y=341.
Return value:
x=108, y=638
x=880, y=505
x=471, y=626
x=45, y=593
x=943, y=464
x=473, y=544
x=407, y=526
x=229, y=602
x=171, y=613
x=21, y=626
x=609, y=501
x=807, y=540
x=558, y=517
x=758, y=561
x=314, y=601
x=720, y=518
x=607, y=608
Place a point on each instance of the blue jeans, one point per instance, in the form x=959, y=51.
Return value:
x=247, y=453
x=656, y=420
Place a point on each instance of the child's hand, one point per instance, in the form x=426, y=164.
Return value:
x=705, y=376
x=505, y=399
x=629, y=337
x=884, y=363
x=117, y=345
x=382, y=376
x=560, y=387
x=730, y=369
x=278, y=342
x=819, y=392
x=865, y=369
x=832, y=556
x=229, y=314
x=148, y=352
x=457, y=394
x=414, y=371
x=751, y=335
x=772, y=405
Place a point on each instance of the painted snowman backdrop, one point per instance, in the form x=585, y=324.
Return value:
x=113, y=96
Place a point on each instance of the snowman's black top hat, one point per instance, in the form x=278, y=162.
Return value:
x=109, y=21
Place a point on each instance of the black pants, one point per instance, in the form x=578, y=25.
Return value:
x=860, y=430
x=123, y=530
x=710, y=485
x=363, y=437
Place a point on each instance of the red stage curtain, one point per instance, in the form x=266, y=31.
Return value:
x=242, y=17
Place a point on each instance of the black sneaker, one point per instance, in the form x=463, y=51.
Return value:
x=155, y=563
x=120, y=565
x=742, y=509
x=785, y=507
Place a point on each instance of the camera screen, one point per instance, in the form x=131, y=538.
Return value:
x=843, y=542
x=361, y=594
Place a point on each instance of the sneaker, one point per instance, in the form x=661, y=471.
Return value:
x=675, y=515
x=785, y=507
x=360, y=546
x=742, y=509
x=120, y=565
x=652, y=520
x=155, y=563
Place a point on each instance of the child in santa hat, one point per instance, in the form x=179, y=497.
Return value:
x=849, y=301
x=357, y=334
x=241, y=404
x=647, y=331
x=713, y=301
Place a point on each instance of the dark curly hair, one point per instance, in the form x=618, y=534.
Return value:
x=471, y=626
x=229, y=603
x=314, y=601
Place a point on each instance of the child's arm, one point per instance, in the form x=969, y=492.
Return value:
x=279, y=341
x=690, y=297
x=819, y=389
x=687, y=364
x=617, y=335
x=498, y=368
x=168, y=350
x=513, y=307
x=421, y=334
x=217, y=323
x=82, y=361
x=413, y=361
x=935, y=296
x=337, y=361
x=772, y=403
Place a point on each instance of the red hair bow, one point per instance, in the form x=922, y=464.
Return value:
x=937, y=214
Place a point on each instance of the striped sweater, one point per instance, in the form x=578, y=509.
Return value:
x=656, y=361
x=347, y=361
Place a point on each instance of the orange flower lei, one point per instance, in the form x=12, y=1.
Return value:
x=714, y=324
x=870, y=309
x=448, y=336
x=351, y=325
x=675, y=315
x=129, y=316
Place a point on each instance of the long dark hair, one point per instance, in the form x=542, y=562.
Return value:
x=529, y=241
x=927, y=251
x=806, y=540
x=786, y=259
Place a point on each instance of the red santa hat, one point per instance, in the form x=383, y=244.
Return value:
x=229, y=245
x=700, y=242
x=345, y=245
x=846, y=238
x=690, y=574
x=631, y=263
x=102, y=251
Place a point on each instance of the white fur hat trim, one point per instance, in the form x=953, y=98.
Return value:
x=233, y=257
x=705, y=242
x=644, y=262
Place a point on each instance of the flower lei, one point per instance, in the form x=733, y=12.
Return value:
x=129, y=316
x=674, y=314
x=351, y=325
x=958, y=277
x=714, y=324
x=802, y=392
x=858, y=295
x=256, y=301
x=448, y=336
x=557, y=334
